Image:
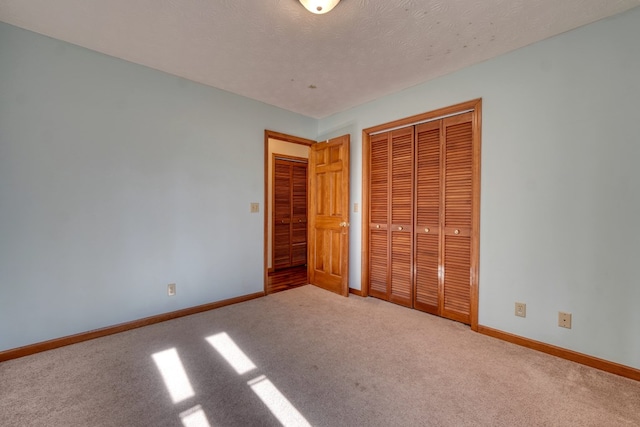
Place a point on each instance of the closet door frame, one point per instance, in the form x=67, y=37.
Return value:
x=268, y=135
x=475, y=106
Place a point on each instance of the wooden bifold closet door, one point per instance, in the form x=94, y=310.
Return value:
x=392, y=212
x=289, y=213
x=423, y=216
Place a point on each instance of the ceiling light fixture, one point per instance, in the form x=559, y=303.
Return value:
x=319, y=6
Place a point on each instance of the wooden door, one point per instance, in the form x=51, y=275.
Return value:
x=289, y=213
x=298, y=214
x=329, y=215
x=282, y=181
x=401, y=214
x=421, y=219
x=427, y=218
x=379, y=217
x=457, y=217
x=391, y=227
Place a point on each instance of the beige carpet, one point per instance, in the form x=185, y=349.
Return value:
x=308, y=356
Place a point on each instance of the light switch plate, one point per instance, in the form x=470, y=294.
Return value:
x=255, y=207
x=521, y=309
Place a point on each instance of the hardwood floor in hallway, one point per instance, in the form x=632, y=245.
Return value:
x=287, y=278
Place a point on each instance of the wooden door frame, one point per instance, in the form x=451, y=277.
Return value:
x=269, y=134
x=476, y=106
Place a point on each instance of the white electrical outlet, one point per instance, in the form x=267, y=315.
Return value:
x=171, y=289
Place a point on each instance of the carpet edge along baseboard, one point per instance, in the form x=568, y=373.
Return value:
x=121, y=327
x=563, y=353
x=594, y=362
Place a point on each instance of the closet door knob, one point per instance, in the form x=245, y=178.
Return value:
x=456, y=231
x=400, y=228
x=378, y=226
x=426, y=230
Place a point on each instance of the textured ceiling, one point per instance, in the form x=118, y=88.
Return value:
x=277, y=52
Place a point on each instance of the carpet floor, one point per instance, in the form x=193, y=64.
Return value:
x=309, y=357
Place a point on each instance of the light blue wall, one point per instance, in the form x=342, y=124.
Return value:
x=116, y=180
x=560, y=183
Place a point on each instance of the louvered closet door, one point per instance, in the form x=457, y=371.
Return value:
x=401, y=209
x=379, y=217
x=457, y=201
x=282, y=182
x=423, y=209
x=427, y=217
x=299, y=215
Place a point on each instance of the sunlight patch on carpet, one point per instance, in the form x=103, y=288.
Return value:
x=277, y=403
x=194, y=417
x=231, y=352
x=174, y=376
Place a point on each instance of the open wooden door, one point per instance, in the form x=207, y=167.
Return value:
x=329, y=215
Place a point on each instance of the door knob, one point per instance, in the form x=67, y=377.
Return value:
x=426, y=230
x=400, y=228
x=456, y=231
x=378, y=226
